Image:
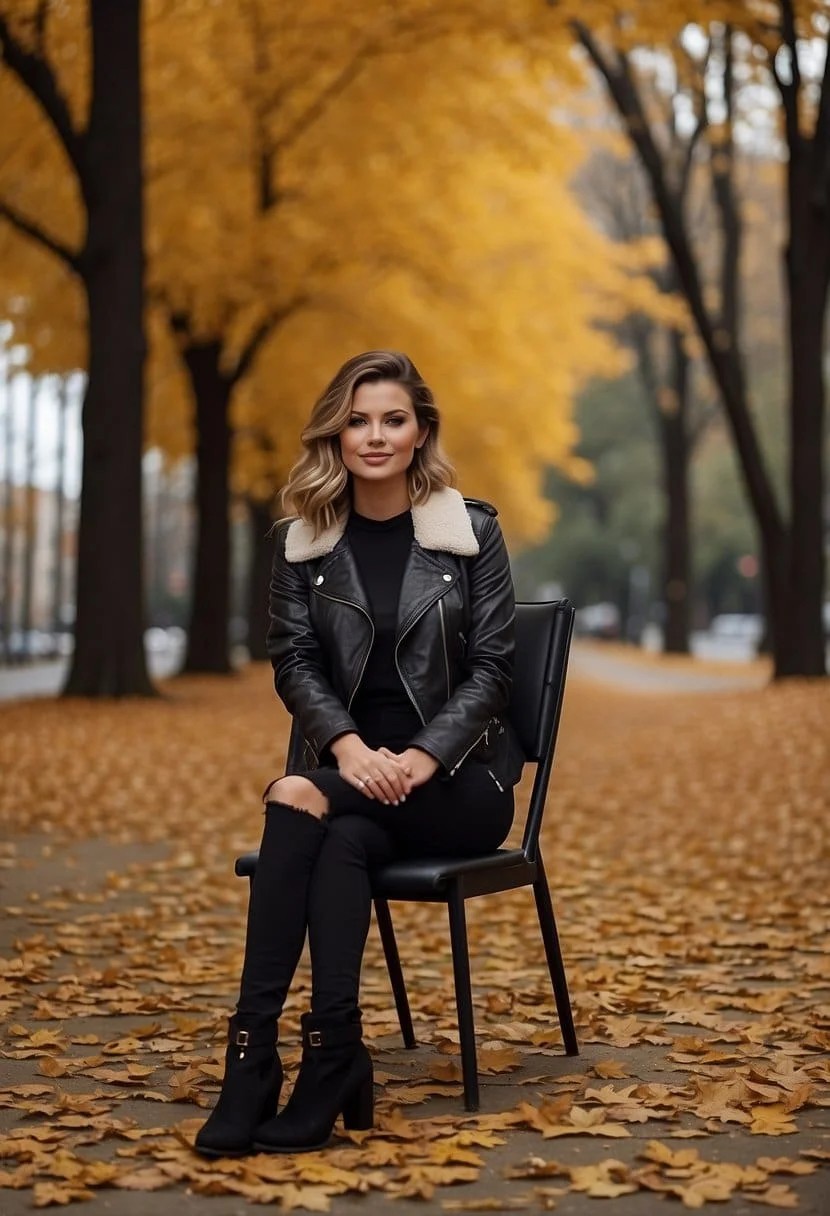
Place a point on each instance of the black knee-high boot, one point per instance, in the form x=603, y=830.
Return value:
x=277, y=916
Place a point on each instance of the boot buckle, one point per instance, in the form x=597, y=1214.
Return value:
x=315, y=1038
x=242, y=1037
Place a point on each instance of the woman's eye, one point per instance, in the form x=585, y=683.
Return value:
x=355, y=422
x=396, y=421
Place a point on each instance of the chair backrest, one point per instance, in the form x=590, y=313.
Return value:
x=543, y=642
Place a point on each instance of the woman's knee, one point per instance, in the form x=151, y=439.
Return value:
x=299, y=793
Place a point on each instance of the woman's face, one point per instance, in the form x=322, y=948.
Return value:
x=379, y=440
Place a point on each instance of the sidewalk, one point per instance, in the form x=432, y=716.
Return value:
x=695, y=943
x=637, y=671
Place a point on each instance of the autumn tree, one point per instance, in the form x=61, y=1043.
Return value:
x=723, y=46
x=91, y=122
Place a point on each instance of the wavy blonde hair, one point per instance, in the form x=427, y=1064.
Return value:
x=318, y=486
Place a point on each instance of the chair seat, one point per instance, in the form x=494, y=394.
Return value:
x=426, y=877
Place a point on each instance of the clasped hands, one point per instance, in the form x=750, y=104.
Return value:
x=382, y=775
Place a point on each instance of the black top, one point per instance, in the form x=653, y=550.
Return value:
x=381, y=708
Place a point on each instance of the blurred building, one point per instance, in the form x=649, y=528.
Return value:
x=37, y=567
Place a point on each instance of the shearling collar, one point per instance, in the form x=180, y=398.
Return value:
x=442, y=523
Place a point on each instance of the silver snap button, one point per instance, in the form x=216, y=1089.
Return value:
x=318, y=580
x=447, y=578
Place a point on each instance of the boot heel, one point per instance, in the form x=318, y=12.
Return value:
x=359, y=1109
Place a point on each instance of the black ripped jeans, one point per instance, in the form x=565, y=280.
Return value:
x=330, y=893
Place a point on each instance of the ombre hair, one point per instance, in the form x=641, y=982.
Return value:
x=318, y=487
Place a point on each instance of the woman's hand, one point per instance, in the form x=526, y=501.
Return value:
x=420, y=765
x=378, y=774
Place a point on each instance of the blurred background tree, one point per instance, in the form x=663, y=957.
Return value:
x=71, y=86
x=727, y=70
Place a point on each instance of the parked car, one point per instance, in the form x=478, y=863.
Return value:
x=740, y=626
x=598, y=621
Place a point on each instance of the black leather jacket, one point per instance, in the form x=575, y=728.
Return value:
x=454, y=643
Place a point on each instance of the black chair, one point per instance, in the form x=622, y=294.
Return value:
x=543, y=638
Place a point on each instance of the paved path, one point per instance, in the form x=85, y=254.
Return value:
x=45, y=678
x=593, y=662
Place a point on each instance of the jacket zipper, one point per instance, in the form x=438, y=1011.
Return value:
x=408, y=629
x=446, y=652
x=351, y=604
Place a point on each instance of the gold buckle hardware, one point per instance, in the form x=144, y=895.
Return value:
x=315, y=1038
x=242, y=1037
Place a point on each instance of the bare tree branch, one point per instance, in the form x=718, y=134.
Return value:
x=261, y=334
x=722, y=165
x=36, y=75
x=29, y=228
x=791, y=40
x=40, y=18
x=821, y=140
x=701, y=112
x=338, y=84
x=789, y=88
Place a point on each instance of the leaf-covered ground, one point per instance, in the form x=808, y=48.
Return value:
x=686, y=844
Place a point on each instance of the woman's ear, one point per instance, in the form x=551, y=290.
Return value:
x=423, y=435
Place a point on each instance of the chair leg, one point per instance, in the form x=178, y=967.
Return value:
x=553, y=953
x=393, y=966
x=463, y=996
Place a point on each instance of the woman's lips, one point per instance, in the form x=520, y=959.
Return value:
x=377, y=457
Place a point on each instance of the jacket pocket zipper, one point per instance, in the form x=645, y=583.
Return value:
x=485, y=735
x=495, y=778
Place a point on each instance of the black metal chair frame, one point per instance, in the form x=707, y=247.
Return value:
x=543, y=637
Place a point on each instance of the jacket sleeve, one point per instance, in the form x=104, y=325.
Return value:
x=297, y=657
x=459, y=725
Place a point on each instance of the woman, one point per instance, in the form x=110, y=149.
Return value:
x=391, y=638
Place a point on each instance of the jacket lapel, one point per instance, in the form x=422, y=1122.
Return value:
x=426, y=577
x=337, y=577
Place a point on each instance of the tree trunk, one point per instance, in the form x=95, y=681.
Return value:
x=207, y=642
x=674, y=447
x=108, y=659
x=807, y=264
x=262, y=550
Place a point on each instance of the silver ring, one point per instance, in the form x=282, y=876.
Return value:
x=368, y=779
x=360, y=783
